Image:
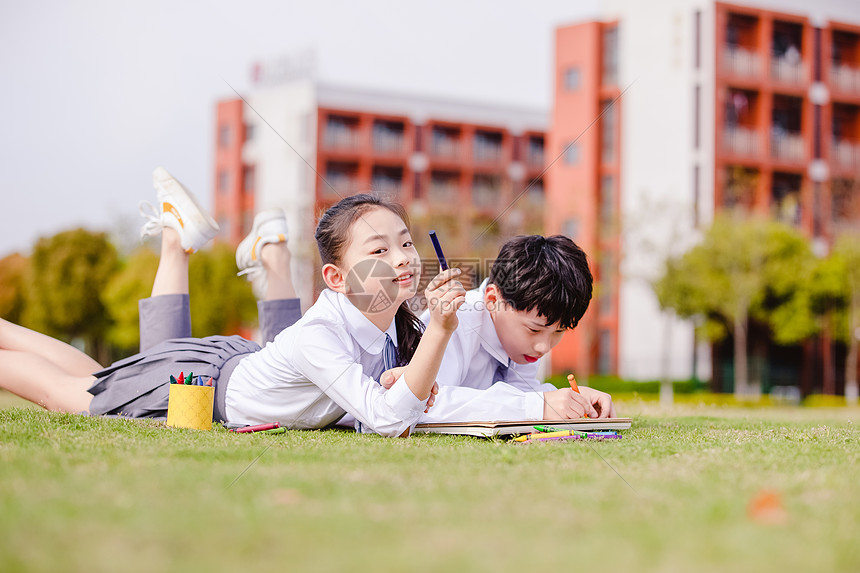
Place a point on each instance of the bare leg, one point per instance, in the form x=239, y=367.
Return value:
x=65, y=357
x=276, y=261
x=43, y=382
x=172, y=274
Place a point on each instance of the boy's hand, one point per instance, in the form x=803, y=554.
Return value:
x=389, y=377
x=445, y=295
x=567, y=405
x=601, y=401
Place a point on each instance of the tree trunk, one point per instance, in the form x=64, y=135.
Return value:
x=741, y=373
x=851, y=389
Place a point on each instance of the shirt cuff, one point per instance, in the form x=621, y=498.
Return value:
x=403, y=402
x=534, y=405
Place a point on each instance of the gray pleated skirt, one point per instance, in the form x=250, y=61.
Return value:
x=138, y=386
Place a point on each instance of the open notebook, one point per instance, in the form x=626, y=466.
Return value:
x=504, y=428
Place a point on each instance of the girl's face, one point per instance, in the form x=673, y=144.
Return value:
x=380, y=264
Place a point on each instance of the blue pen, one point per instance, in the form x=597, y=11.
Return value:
x=443, y=264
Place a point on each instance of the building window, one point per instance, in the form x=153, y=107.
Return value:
x=388, y=136
x=572, y=79
x=445, y=141
x=697, y=97
x=487, y=146
x=250, y=132
x=341, y=132
x=607, y=200
x=248, y=179
x=607, y=132
x=697, y=39
x=604, y=358
x=224, y=136
x=607, y=284
x=387, y=180
x=534, y=154
x=224, y=181
x=610, y=56
x=571, y=153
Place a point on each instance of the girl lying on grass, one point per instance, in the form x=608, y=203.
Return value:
x=312, y=370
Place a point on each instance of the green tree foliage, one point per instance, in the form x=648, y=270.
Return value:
x=221, y=302
x=69, y=272
x=14, y=270
x=848, y=249
x=121, y=295
x=740, y=269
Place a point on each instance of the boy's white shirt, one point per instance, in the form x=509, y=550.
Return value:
x=467, y=391
x=322, y=366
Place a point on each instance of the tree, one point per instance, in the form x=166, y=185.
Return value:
x=221, y=302
x=827, y=301
x=13, y=276
x=69, y=271
x=847, y=253
x=727, y=278
x=121, y=297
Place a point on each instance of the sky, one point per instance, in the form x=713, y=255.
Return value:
x=96, y=94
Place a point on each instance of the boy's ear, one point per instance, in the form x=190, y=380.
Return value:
x=334, y=278
x=492, y=296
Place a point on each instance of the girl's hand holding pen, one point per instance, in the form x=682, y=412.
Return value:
x=445, y=295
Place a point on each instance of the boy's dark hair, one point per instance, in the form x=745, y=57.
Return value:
x=549, y=274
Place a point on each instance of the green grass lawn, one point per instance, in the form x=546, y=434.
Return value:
x=82, y=494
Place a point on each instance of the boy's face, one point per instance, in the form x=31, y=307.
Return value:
x=525, y=336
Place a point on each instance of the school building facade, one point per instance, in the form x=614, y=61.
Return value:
x=666, y=112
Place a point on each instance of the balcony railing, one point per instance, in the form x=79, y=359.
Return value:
x=388, y=141
x=449, y=148
x=487, y=153
x=343, y=185
x=741, y=62
x=787, y=68
x=785, y=145
x=387, y=185
x=846, y=79
x=443, y=194
x=742, y=141
x=534, y=158
x=846, y=154
x=341, y=139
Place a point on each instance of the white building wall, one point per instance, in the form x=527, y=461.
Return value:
x=656, y=58
x=285, y=117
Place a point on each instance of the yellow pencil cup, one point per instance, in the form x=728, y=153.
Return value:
x=190, y=406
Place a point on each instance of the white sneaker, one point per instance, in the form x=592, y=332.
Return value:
x=269, y=227
x=179, y=210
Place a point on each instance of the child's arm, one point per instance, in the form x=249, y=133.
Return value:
x=444, y=295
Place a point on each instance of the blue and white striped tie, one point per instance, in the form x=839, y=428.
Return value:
x=389, y=355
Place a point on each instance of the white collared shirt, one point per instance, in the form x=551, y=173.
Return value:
x=324, y=365
x=467, y=390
